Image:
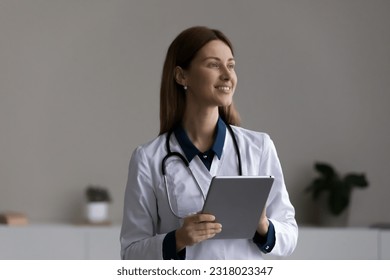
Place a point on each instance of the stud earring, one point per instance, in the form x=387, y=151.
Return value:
x=185, y=88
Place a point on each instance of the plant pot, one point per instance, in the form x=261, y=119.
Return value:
x=327, y=219
x=97, y=212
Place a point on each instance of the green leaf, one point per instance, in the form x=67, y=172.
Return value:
x=97, y=193
x=339, y=200
x=318, y=186
x=325, y=169
x=356, y=180
x=338, y=191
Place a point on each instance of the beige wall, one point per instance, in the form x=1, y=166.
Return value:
x=79, y=84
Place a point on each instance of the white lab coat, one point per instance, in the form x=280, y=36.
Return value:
x=147, y=217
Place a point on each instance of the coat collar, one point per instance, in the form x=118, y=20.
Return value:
x=189, y=148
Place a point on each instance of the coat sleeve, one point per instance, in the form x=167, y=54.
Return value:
x=279, y=208
x=138, y=234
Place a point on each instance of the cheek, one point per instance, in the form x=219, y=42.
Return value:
x=234, y=80
x=202, y=79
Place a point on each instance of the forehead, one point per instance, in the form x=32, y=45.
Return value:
x=215, y=49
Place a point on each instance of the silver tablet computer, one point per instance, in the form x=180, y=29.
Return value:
x=237, y=203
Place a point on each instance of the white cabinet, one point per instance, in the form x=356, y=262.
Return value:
x=54, y=242
x=103, y=243
x=337, y=244
x=91, y=242
x=384, y=245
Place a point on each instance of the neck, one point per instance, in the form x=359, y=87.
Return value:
x=200, y=127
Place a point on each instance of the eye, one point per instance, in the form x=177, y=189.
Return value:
x=214, y=65
x=231, y=66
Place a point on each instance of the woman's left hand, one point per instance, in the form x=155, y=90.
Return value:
x=262, y=227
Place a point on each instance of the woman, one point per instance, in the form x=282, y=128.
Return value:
x=163, y=195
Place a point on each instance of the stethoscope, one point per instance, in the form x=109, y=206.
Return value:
x=186, y=163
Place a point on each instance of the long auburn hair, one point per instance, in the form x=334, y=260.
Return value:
x=180, y=53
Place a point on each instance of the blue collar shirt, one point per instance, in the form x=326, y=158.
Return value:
x=190, y=151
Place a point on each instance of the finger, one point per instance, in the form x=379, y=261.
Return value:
x=207, y=234
x=201, y=218
x=199, y=232
x=207, y=229
x=192, y=218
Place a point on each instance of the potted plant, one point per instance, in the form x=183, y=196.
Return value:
x=98, y=199
x=337, y=188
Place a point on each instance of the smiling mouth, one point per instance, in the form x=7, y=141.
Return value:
x=223, y=88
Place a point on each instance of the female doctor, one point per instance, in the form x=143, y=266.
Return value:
x=199, y=138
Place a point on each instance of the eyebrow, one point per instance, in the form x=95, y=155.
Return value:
x=217, y=58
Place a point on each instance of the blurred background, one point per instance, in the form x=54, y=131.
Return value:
x=79, y=90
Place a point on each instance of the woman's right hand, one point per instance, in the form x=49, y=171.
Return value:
x=196, y=228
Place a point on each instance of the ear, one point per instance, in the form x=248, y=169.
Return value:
x=180, y=76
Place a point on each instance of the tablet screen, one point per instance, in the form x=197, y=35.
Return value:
x=237, y=203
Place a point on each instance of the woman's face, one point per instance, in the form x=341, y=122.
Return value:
x=211, y=78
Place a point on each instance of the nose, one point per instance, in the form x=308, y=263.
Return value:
x=225, y=77
x=225, y=73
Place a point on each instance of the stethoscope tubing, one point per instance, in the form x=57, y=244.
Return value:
x=185, y=161
x=187, y=164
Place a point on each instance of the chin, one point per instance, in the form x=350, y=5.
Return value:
x=227, y=101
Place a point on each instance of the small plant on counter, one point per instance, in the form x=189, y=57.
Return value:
x=97, y=194
x=97, y=207
x=337, y=188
